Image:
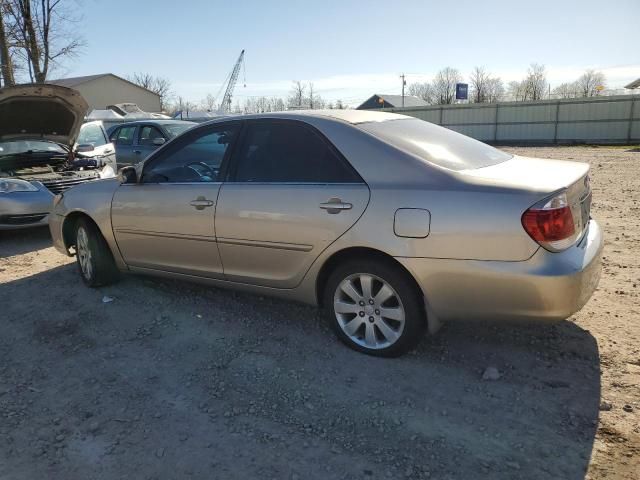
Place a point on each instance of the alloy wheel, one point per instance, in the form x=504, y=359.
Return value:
x=84, y=253
x=369, y=311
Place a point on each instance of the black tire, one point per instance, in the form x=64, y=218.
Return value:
x=103, y=270
x=409, y=298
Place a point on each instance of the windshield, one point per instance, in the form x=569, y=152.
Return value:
x=176, y=129
x=437, y=145
x=91, y=134
x=26, y=146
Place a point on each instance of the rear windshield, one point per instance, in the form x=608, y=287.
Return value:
x=437, y=145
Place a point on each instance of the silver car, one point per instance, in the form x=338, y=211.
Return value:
x=391, y=223
x=45, y=149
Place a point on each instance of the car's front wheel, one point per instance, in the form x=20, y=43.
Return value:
x=374, y=307
x=94, y=259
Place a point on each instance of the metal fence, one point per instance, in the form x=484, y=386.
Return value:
x=613, y=119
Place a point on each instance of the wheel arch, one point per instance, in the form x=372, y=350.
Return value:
x=357, y=252
x=69, y=224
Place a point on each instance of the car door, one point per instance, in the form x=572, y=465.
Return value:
x=288, y=196
x=147, y=136
x=94, y=134
x=166, y=220
x=123, y=137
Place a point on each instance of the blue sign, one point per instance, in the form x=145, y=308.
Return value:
x=462, y=91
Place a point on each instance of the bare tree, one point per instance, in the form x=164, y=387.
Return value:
x=312, y=96
x=262, y=104
x=296, y=96
x=444, y=85
x=340, y=105
x=314, y=101
x=495, y=90
x=587, y=83
x=45, y=33
x=515, y=91
x=209, y=103
x=535, y=83
x=423, y=90
x=158, y=85
x=484, y=87
x=479, y=80
x=565, y=90
x=6, y=62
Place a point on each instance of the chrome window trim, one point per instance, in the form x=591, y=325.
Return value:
x=246, y=183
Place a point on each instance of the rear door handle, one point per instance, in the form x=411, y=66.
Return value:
x=137, y=152
x=335, y=205
x=201, y=203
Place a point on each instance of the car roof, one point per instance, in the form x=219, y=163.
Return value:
x=153, y=121
x=349, y=116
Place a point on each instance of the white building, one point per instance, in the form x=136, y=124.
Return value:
x=106, y=89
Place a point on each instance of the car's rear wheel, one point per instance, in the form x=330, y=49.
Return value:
x=93, y=256
x=375, y=307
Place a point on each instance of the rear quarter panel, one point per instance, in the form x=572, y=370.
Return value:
x=469, y=219
x=476, y=225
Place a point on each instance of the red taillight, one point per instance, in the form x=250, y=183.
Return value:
x=551, y=224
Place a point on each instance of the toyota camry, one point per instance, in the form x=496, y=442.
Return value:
x=392, y=224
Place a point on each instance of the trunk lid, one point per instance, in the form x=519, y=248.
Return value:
x=42, y=112
x=531, y=174
x=545, y=179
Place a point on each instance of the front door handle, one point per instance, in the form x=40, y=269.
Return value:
x=137, y=152
x=335, y=205
x=201, y=203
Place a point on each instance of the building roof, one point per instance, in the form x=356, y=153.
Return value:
x=396, y=100
x=72, y=82
x=634, y=84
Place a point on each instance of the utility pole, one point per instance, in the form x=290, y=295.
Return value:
x=404, y=82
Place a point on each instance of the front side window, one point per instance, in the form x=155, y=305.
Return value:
x=197, y=160
x=289, y=152
x=125, y=136
x=148, y=134
x=91, y=134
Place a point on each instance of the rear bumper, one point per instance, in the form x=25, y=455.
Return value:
x=24, y=209
x=549, y=286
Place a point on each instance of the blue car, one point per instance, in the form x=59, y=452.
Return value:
x=134, y=141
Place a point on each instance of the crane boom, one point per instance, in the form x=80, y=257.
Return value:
x=225, y=106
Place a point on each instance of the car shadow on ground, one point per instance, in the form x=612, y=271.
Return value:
x=17, y=242
x=198, y=374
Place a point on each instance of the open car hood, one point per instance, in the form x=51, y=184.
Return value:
x=41, y=111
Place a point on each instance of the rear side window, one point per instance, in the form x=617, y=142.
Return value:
x=288, y=152
x=435, y=144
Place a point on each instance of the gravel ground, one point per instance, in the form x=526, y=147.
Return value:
x=175, y=380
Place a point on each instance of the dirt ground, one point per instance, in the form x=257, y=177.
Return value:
x=175, y=380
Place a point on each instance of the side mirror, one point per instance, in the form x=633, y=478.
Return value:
x=84, y=148
x=159, y=141
x=127, y=175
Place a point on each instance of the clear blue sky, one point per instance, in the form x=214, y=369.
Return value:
x=350, y=49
